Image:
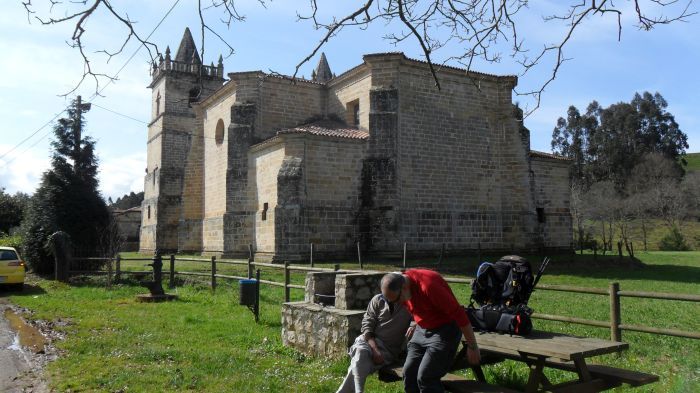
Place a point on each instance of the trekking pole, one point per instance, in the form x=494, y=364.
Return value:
x=543, y=266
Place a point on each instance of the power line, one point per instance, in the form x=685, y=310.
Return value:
x=34, y=133
x=137, y=49
x=93, y=96
x=120, y=114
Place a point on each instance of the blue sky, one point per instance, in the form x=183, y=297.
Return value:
x=37, y=65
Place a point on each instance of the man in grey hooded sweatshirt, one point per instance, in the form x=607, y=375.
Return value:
x=385, y=327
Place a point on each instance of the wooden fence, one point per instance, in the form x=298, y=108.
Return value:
x=613, y=292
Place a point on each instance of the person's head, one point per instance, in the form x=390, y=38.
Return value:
x=395, y=287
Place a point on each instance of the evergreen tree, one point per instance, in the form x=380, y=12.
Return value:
x=67, y=198
x=11, y=210
x=605, y=144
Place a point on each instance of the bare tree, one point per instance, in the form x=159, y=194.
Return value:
x=578, y=212
x=487, y=30
x=601, y=201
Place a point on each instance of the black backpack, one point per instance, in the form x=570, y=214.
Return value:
x=508, y=281
x=502, y=290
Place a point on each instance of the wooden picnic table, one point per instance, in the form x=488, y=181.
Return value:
x=543, y=349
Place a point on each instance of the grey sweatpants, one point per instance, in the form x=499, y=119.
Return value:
x=362, y=365
x=430, y=354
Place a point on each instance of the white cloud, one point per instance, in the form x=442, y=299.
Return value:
x=22, y=171
x=121, y=175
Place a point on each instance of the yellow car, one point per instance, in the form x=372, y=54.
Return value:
x=11, y=268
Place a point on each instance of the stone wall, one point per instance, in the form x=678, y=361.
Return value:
x=319, y=331
x=129, y=224
x=285, y=104
x=354, y=291
x=552, y=195
x=351, y=87
x=329, y=329
x=264, y=167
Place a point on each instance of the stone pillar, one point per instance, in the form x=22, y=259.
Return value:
x=377, y=220
x=290, y=234
x=239, y=219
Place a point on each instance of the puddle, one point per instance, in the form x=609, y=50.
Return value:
x=27, y=336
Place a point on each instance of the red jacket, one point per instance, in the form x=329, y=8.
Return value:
x=432, y=302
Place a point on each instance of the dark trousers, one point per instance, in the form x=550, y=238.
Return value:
x=430, y=354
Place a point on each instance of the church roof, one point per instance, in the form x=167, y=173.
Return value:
x=187, y=52
x=326, y=127
x=323, y=73
x=541, y=154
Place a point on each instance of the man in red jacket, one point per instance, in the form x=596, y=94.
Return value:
x=440, y=323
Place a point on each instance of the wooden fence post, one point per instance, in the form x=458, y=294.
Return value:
x=311, y=254
x=359, y=255
x=286, y=281
x=250, y=261
x=118, y=272
x=213, y=273
x=615, y=318
x=171, y=284
x=404, y=255
x=109, y=273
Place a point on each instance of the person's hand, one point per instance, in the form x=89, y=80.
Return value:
x=409, y=332
x=473, y=355
x=377, y=357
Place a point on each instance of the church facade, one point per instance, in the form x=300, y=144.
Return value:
x=376, y=155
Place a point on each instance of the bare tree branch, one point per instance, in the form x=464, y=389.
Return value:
x=448, y=32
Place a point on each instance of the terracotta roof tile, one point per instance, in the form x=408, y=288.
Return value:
x=541, y=154
x=330, y=128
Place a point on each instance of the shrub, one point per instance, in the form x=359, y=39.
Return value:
x=674, y=241
x=11, y=241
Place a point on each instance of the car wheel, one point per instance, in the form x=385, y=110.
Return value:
x=18, y=287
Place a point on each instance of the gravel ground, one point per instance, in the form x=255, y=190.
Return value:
x=21, y=369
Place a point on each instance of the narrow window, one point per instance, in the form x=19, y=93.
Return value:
x=155, y=172
x=219, y=133
x=540, y=215
x=149, y=212
x=193, y=96
x=356, y=115
x=353, y=112
x=264, y=212
x=158, y=104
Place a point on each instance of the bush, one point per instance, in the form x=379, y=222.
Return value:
x=674, y=241
x=11, y=241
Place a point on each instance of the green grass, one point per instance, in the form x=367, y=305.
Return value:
x=656, y=230
x=206, y=342
x=693, y=160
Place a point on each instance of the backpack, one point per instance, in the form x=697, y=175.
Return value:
x=502, y=290
x=508, y=281
x=501, y=318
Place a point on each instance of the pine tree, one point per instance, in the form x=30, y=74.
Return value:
x=67, y=199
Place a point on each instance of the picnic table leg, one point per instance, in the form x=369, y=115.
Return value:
x=536, y=375
x=582, y=369
x=479, y=373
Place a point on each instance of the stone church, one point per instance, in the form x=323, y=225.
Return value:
x=376, y=155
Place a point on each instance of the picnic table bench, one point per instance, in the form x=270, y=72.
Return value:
x=540, y=350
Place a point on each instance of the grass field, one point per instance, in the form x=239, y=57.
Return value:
x=693, y=161
x=206, y=342
x=656, y=230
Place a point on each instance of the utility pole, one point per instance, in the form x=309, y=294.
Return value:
x=78, y=125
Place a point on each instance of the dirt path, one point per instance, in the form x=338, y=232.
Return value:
x=21, y=362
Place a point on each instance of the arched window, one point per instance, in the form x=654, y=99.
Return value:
x=219, y=134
